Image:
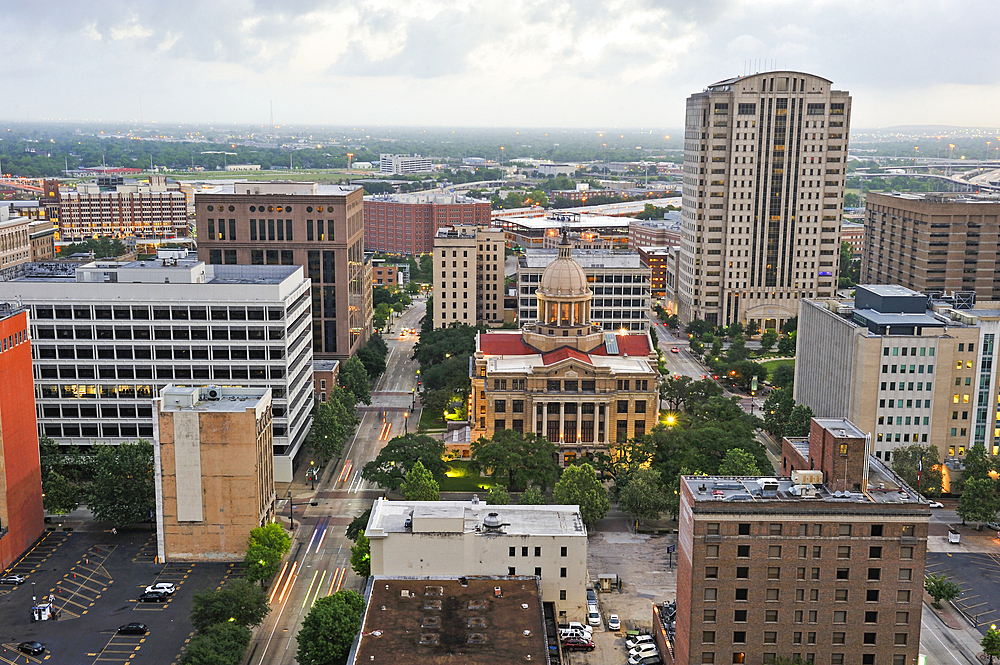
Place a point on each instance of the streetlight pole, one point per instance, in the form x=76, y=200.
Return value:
x=312, y=473
x=406, y=422
x=291, y=507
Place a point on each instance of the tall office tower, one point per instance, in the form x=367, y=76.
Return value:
x=764, y=159
x=319, y=227
x=464, y=256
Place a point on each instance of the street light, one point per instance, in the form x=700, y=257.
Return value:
x=406, y=422
x=312, y=473
x=291, y=507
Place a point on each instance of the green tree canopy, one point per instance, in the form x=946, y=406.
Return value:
x=121, y=489
x=643, y=497
x=498, y=495
x=579, y=486
x=532, y=497
x=784, y=377
x=361, y=556
x=977, y=463
x=799, y=421
x=329, y=629
x=218, y=644
x=61, y=496
x=768, y=340
x=520, y=460
x=392, y=464
x=373, y=354
x=334, y=422
x=941, y=588
x=684, y=393
x=260, y=563
x=358, y=525
x=242, y=601
x=271, y=536
x=786, y=345
x=738, y=462
x=905, y=461
x=978, y=502
x=419, y=484
x=777, y=410
x=354, y=377
x=991, y=644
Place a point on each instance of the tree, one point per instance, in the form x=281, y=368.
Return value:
x=329, y=629
x=271, y=536
x=991, y=644
x=218, y=644
x=979, y=502
x=799, y=421
x=373, y=354
x=777, y=410
x=334, y=421
x=260, y=563
x=906, y=460
x=361, y=556
x=790, y=326
x=358, y=525
x=498, y=495
x=738, y=462
x=354, y=378
x=420, y=485
x=977, y=463
x=737, y=351
x=240, y=602
x=768, y=340
x=392, y=464
x=784, y=377
x=60, y=494
x=579, y=486
x=941, y=588
x=121, y=489
x=518, y=459
x=532, y=497
x=643, y=497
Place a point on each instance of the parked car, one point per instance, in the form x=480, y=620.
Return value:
x=152, y=597
x=591, y=597
x=577, y=644
x=574, y=633
x=633, y=642
x=12, y=578
x=34, y=648
x=580, y=626
x=163, y=587
x=646, y=649
x=134, y=628
x=593, y=616
x=613, y=623
x=645, y=660
x=936, y=504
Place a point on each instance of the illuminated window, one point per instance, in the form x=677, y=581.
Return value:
x=843, y=450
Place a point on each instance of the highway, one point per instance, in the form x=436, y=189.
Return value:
x=319, y=563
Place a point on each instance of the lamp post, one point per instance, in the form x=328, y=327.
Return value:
x=406, y=422
x=312, y=473
x=291, y=507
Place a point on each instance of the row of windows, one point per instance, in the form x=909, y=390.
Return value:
x=914, y=369
x=161, y=372
x=903, y=385
x=512, y=551
x=143, y=312
x=144, y=333
x=804, y=529
x=128, y=391
x=773, y=595
x=770, y=658
x=599, y=279
x=837, y=638
x=90, y=411
x=928, y=351
x=843, y=552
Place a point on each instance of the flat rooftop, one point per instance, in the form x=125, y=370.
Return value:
x=424, y=621
x=210, y=399
x=539, y=259
x=184, y=271
x=568, y=220
x=467, y=517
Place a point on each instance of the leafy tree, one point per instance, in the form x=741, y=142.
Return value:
x=329, y=629
x=381, y=314
x=498, y=495
x=361, y=556
x=721, y=411
x=443, y=354
x=698, y=327
x=218, y=644
x=101, y=247
x=579, y=486
x=977, y=463
x=392, y=464
x=768, y=340
x=626, y=458
x=373, y=354
x=61, y=496
x=786, y=345
x=334, y=421
x=737, y=351
x=738, y=462
x=358, y=525
x=905, y=461
x=735, y=329
x=790, y=326
x=420, y=485
x=643, y=497
x=745, y=371
x=991, y=644
x=271, y=536
x=354, y=378
x=518, y=459
x=777, y=410
x=684, y=393
x=260, y=563
x=240, y=601
x=412, y=287
x=427, y=270
x=121, y=489
x=784, y=376
x=979, y=502
x=941, y=588
x=850, y=268
x=701, y=449
x=799, y=421
x=532, y=497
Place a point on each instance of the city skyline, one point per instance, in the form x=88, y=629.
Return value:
x=573, y=64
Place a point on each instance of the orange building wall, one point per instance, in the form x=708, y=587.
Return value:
x=20, y=473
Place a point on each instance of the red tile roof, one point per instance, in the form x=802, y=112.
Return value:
x=633, y=345
x=504, y=343
x=562, y=354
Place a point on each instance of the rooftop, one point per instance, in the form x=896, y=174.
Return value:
x=440, y=198
x=211, y=399
x=468, y=517
x=539, y=259
x=473, y=621
x=276, y=187
x=179, y=271
x=510, y=343
x=568, y=221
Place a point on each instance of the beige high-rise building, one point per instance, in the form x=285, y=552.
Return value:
x=933, y=242
x=468, y=276
x=764, y=165
x=214, y=470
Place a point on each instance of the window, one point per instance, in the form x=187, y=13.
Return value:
x=908, y=529
x=711, y=551
x=800, y=573
x=869, y=638
x=707, y=657
x=711, y=572
x=844, y=552
x=867, y=659
x=903, y=596
x=836, y=659
x=874, y=574
x=742, y=594
x=743, y=551
x=708, y=637
x=740, y=616
x=802, y=551
x=511, y=551
x=840, y=595
x=871, y=617
x=562, y=572
x=562, y=551
x=774, y=551
x=709, y=616
x=743, y=529
x=813, y=596
x=844, y=530
x=773, y=573
x=742, y=573
x=511, y=571
x=562, y=594
x=877, y=530
x=771, y=595
x=817, y=552
x=623, y=406
x=840, y=616
x=905, y=552
x=538, y=551
x=871, y=596
x=839, y=638
x=899, y=639
x=774, y=529
x=770, y=637
x=874, y=552
x=712, y=528
x=771, y=616
x=538, y=571
x=739, y=637
x=815, y=574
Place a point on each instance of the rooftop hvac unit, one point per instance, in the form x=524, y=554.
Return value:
x=807, y=477
x=213, y=393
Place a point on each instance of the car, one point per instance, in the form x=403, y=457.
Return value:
x=593, y=616
x=577, y=624
x=12, y=578
x=134, y=628
x=577, y=644
x=613, y=623
x=34, y=648
x=674, y=349
x=152, y=597
x=633, y=642
x=570, y=633
x=647, y=649
x=163, y=587
x=645, y=660
x=936, y=504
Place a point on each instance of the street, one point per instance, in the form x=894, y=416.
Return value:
x=319, y=563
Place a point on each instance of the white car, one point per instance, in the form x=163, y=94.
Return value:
x=162, y=587
x=645, y=659
x=936, y=504
x=614, y=624
x=648, y=649
x=593, y=616
x=633, y=642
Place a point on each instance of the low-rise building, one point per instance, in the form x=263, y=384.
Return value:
x=447, y=538
x=468, y=276
x=325, y=378
x=657, y=259
x=15, y=242
x=213, y=470
x=403, y=164
x=655, y=232
x=585, y=231
x=407, y=223
x=42, y=233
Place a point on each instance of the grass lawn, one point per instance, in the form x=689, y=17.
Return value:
x=430, y=421
x=460, y=480
x=772, y=365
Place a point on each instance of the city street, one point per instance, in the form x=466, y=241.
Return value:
x=320, y=560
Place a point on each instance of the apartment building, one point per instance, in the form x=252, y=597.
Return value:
x=436, y=538
x=655, y=232
x=468, y=276
x=319, y=227
x=402, y=164
x=21, y=514
x=657, y=259
x=820, y=564
x=933, y=242
x=902, y=368
x=762, y=204
x=619, y=281
x=853, y=234
x=407, y=223
x=15, y=242
x=115, y=208
x=108, y=336
x=213, y=470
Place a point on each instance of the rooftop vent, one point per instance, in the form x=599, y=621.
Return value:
x=476, y=638
x=429, y=638
x=492, y=523
x=475, y=499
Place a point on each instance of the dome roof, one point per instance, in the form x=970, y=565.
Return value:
x=564, y=276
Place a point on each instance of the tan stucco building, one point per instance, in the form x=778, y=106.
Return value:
x=214, y=470
x=468, y=276
x=448, y=538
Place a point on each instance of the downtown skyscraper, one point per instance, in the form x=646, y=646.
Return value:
x=764, y=170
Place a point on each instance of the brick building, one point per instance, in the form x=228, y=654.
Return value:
x=407, y=223
x=824, y=563
x=664, y=232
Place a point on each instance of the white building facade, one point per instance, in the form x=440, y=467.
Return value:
x=400, y=164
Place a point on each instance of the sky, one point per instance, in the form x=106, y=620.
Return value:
x=488, y=63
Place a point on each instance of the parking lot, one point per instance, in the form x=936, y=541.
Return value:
x=94, y=579
x=978, y=574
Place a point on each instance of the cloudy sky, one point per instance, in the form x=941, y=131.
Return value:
x=506, y=63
